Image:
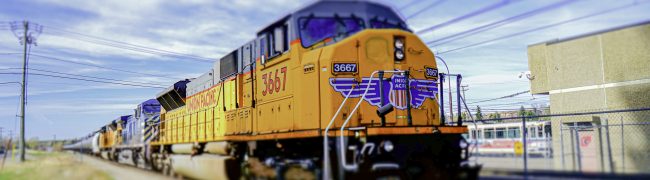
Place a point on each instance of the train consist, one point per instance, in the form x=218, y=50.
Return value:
x=335, y=89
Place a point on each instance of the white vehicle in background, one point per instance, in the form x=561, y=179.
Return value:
x=501, y=138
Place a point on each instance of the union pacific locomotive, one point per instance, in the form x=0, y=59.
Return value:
x=333, y=90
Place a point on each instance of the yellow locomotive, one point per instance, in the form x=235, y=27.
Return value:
x=332, y=90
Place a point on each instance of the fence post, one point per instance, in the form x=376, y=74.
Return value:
x=622, y=144
x=562, y=144
x=609, y=147
x=577, y=154
x=523, y=124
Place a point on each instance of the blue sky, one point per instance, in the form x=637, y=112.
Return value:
x=206, y=28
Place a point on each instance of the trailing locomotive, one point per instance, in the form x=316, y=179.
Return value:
x=126, y=138
x=333, y=90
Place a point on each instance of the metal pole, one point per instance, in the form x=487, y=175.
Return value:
x=609, y=147
x=523, y=125
x=381, y=95
x=441, y=78
x=578, y=158
x=622, y=144
x=562, y=144
x=409, y=118
x=460, y=118
x=23, y=93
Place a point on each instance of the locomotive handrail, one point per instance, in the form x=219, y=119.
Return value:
x=326, y=157
x=345, y=166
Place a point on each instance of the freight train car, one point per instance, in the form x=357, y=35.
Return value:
x=88, y=144
x=334, y=89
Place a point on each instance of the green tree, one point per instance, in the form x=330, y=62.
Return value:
x=32, y=143
x=522, y=111
x=479, y=115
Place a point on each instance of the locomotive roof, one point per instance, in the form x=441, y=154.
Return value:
x=362, y=9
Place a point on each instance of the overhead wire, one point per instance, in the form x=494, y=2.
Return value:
x=90, y=80
x=502, y=97
x=409, y=4
x=482, y=10
x=499, y=23
x=547, y=26
x=102, y=67
x=128, y=46
x=86, y=76
x=432, y=5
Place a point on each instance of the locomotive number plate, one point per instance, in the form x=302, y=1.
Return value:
x=430, y=72
x=344, y=68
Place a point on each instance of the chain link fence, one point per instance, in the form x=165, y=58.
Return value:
x=595, y=142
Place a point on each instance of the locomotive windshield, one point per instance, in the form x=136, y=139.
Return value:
x=318, y=29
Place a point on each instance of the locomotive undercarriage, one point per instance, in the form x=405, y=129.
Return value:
x=430, y=156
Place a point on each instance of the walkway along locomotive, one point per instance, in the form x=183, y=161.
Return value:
x=336, y=89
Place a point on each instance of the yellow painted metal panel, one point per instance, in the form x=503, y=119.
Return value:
x=186, y=128
x=209, y=118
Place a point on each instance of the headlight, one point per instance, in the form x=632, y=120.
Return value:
x=399, y=54
x=388, y=146
x=399, y=43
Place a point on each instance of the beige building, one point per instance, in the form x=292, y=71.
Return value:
x=606, y=70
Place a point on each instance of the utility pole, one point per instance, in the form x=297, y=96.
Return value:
x=26, y=39
x=463, y=89
x=23, y=94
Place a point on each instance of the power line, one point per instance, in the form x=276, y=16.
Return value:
x=494, y=83
x=503, y=97
x=499, y=23
x=130, y=46
x=12, y=82
x=409, y=4
x=547, y=26
x=485, y=9
x=102, y=67
x=434, y=4
x=90, y=80
x=512, y=98
x=95, y=77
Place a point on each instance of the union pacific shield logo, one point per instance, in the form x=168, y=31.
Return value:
x=398, y=92
x=394, y=90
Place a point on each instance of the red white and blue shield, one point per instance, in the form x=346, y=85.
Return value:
x=398, y=92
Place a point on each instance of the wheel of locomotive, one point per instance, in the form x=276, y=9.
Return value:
x=167, y=169
x=134, y=158
x=113, y=155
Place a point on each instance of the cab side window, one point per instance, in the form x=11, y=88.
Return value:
x=274, y=41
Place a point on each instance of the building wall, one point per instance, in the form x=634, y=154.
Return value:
x=600, y=71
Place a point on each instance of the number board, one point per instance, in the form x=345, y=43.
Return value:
x=430, y=72
x=344, y=68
